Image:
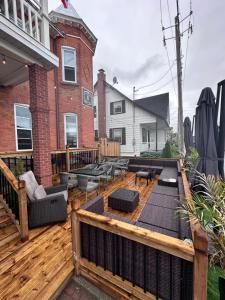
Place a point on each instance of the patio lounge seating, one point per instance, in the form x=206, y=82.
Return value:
x=87, y=186
x=69, y=179
x=160, y=273
x=45, y=206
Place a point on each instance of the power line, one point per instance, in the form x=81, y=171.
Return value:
x=163, y=76
x=159, y=88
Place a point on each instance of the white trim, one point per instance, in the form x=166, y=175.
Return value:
x=75, y=63
x=15, y=126
x=65, y=137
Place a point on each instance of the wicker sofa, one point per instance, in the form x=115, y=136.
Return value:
x=162, y=274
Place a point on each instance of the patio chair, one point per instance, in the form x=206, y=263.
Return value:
x=108, y=175
x=90, y=166
x=87, y=186
x=69, y=179
x=45, y=205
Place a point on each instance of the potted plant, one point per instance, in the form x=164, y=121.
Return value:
x=208, y=208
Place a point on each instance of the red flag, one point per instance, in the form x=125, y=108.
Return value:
x=65, y=3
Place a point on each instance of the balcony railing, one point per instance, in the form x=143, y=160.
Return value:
x=27, y=15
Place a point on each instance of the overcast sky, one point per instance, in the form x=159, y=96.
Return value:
x=130, y=46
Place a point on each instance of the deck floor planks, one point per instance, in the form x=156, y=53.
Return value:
x=40, y=265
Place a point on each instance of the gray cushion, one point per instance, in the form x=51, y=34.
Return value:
x=31, y=184
x=40, y=192
x=64, y=193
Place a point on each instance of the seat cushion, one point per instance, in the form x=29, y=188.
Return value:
x=40, y=192
x=64, y=193
x=31, y=184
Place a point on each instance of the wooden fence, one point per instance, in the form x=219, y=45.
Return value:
x=108, y=148
x=139, y=238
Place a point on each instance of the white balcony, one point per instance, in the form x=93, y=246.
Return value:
x=24, y=38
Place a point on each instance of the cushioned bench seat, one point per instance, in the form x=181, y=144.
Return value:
x=158, y=229
x=165, y=190
x=166, y=175
x=160, y=217
x=163, y=200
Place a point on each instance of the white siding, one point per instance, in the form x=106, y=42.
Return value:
x=126, y=120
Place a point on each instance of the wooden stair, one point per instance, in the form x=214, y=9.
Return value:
x=8, y=230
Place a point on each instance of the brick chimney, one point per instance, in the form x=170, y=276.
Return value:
x=101, y=104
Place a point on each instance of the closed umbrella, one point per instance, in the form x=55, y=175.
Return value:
x=188, y=138
x=205, y=134
x=219, y=126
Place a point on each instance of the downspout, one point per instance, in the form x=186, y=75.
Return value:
x=56, y=86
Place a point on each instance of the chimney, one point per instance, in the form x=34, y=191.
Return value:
x=101, y=104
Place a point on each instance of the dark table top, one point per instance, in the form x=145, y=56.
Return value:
x=88, y=172
x=124, y=194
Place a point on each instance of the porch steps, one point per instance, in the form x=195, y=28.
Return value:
x=8, y=230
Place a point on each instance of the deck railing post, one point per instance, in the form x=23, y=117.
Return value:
x=22, y=197
x=200, y=265
x=75, y=227
x=67, y=159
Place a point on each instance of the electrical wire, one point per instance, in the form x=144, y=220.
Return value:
x=153, y=91
x=153, y=83
x=170, y=20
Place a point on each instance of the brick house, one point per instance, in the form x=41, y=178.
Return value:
x=47, y=104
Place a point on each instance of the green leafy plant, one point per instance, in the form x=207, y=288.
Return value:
x=190, y=162
x=208, y=208
x=167, y=153
x=20, y=167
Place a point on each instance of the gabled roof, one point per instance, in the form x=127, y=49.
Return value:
x=157, y=105
x=70, y=16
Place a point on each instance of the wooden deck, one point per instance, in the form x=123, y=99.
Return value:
x=36, y=269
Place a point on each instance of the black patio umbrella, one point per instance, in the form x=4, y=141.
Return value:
x=205, y=135
x=219, y=126
x=188, y=138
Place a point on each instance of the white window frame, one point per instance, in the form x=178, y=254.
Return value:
x=116, y=102
x=15, y=122
x=92, y=100
x=65, y=136
x=75, y=64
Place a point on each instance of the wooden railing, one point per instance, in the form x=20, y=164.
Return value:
x=113, y=279
x=61, y=160
x=69, y=159
x=14, y=199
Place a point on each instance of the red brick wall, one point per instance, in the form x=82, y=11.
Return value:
x=70, y=97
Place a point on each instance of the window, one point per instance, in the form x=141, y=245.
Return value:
x=96, y=134
x=23, y=125
x=69, y=64
x=87, y=98
x=144, y=135
x=117, y=107
x=118, y=134
x=71, y=130
x=95, y=112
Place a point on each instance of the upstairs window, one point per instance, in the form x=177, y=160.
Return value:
x=71, y=130
x=117, y=107
x=23, y=126
x=69, y=65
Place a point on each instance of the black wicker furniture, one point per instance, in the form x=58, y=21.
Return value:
x=143, y=174
x=124, y=200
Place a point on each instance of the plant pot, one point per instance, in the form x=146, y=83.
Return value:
x=222, y=288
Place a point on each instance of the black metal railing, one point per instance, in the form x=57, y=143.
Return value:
x=58, y=162
x=81, y=158
x=19, y=164
x=9, y=195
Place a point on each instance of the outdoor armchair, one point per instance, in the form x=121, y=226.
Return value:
x=45, y=205
x=87, y=186
x=69, y=179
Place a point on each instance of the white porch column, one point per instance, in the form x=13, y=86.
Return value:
x=45, y=39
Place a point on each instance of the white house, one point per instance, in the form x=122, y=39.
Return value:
x=140, y=125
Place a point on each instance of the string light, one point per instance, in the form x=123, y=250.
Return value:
x=4, y=60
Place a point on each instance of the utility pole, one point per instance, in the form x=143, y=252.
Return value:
x=179, y=82
x=177, y=37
